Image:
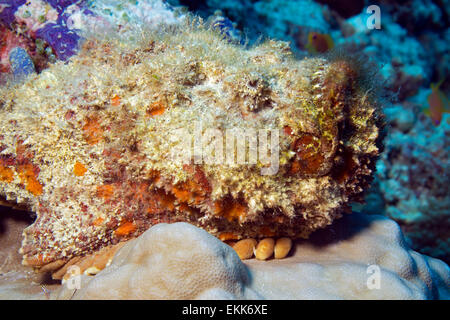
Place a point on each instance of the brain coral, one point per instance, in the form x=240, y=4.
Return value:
x=88, y=144
x=180, y=261
x=143, y=271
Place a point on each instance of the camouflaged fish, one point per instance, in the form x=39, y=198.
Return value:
x=88, y=144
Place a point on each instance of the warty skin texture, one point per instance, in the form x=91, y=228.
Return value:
x=86, y=144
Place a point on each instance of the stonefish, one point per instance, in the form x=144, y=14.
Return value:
x=88, y=144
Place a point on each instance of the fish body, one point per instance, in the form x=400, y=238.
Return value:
x=319, y=43
x=437, y=104
x=100, y=147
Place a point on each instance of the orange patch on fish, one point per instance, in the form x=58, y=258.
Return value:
x=157, y=108
x=28, y=177
x=38, y=260
x=183, y=207
x=98, y=221
x=165, y=200
x=182, y=194
x=34, y=187
x=287, y=130
x=125, y=229
x=225, y=236
x=188, y=191
x=231, y=210
x=6, y=174
x=115, y=101
x=105, y=191
x=92, y=130
x=309, y=159
x=79, y=169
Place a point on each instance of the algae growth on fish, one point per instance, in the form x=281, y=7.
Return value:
x=86, y=144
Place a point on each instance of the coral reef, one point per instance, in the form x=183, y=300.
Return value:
x=45, y=29
x=180, y=261
x=87, y=144
x=51, y=30
x=172, y=246
x=410, y=184
x=412, y=177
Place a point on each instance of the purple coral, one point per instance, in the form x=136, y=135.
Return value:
x=57, y=32
x=7, y=10
x=63, y=40
x=61, y=5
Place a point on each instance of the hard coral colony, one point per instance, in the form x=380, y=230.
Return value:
x=86, y=144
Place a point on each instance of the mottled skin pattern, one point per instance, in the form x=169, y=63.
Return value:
x=85, y=144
